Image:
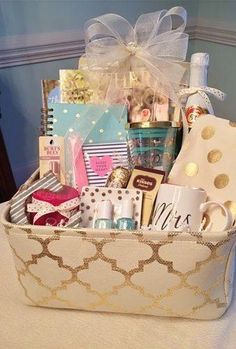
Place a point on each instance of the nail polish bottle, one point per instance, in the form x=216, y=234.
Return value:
x=126, y=222
x=104, y=218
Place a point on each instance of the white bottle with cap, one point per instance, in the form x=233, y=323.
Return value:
x=104, y=217
x=126, y=222
x=196, y=104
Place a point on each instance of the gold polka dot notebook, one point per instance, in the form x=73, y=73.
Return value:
x=208, y=160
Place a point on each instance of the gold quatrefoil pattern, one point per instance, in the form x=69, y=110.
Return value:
x=207, y=160
x=163, y=274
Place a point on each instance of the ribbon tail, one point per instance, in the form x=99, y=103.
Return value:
x=40, y=214
x=218, y=94
x=206, y=101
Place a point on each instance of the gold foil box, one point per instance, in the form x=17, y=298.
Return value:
x=75, y=87
x=149, y=181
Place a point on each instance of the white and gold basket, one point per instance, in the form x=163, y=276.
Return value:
x=155, y=273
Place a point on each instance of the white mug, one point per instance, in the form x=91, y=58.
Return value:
x=180, y=208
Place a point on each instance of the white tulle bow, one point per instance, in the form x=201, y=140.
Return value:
x=155, y=43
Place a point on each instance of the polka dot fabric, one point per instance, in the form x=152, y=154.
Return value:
x=92, y=196
x=208, y=160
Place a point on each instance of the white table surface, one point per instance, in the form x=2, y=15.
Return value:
x=26, y=327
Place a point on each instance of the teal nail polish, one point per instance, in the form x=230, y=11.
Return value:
x=104, y=217
x=126, y=222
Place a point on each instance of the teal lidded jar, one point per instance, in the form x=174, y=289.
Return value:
x=154, y=144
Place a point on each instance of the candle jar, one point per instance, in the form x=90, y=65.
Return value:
x=154, y=144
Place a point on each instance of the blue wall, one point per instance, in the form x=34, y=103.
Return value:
x=23, y=17
x=222, y=72
x=222, y=12
x=20, y=102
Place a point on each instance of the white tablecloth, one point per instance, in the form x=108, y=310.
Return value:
x=26, y=327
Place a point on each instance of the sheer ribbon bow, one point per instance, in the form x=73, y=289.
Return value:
x=157, y=43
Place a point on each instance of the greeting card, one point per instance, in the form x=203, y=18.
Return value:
x=101, y=158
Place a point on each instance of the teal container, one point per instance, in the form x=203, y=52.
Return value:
x=154, y=144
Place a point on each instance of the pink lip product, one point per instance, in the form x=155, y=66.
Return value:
x=51, y=156
x=54, y=166
x=79, y=174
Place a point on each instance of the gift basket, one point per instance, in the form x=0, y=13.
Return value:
x=133, y=207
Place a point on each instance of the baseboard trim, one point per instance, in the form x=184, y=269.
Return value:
x=38, y=48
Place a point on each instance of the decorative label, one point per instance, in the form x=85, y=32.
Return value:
x=101, y=166
x=51, y=156
x=167, y=217
x=144, y=182
x=194, y=112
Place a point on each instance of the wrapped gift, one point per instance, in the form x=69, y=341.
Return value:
x=53, y=208
x=18, y=210
x=142, y=272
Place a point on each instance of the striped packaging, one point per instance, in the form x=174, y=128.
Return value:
x=74, y=221
x=17, y=210
x=101, y=158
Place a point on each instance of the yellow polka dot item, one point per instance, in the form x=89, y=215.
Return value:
x=214, y=156
x=209, y=162
x=208, y=132
x=232, y=206
x=221, y=181
x=191, y=169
